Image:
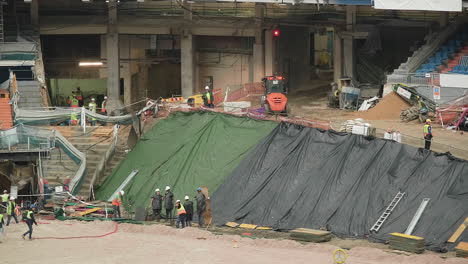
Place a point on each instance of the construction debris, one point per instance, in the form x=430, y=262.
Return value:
x=407, y=243
x=311, y=235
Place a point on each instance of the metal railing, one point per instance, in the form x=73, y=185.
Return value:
x=25, y=138
x=427, y=79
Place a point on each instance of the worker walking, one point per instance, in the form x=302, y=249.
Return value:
x=201, y=206
x=168, y=203
x=181, y=214
x=427, y=130
x=208, y=98
x=92, y=107
x=188, y=205
x=11, y=211
x=116, y=203
x=30, y=220
x=5, y=196
x=156, y=203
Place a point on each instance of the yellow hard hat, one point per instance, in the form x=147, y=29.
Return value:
x=428, y=120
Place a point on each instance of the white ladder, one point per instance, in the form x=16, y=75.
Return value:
x=376, y=227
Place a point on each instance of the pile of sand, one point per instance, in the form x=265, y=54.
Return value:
x=388, y=108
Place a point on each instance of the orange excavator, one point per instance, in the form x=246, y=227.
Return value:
x=275, y=101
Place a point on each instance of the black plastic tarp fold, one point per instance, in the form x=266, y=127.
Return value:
x=305, y=177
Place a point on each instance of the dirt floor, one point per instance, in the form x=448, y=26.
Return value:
x=162, y=244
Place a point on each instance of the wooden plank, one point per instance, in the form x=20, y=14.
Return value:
x=248, y=226
x=462, y=246
x=231, y=224
x=264, y=228
x=458, y=232
x=92, y=210
x=407, y=236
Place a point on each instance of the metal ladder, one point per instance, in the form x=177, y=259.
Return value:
x=376, y=227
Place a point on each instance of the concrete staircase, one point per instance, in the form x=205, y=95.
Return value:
x=30, y=94
x=115, y=160
x=94, y=143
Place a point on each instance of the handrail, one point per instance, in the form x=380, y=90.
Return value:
x=105, y=159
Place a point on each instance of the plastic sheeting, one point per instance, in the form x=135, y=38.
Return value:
x=305, y=177
x=185, y=151
x=429, y=5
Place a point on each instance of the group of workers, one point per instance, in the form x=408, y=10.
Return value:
x=75, y=100
x=184, y=210
x=12, y=210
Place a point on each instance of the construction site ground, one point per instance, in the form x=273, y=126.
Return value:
x=158, y=243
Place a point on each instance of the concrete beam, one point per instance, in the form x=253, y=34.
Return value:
x=187, y=64
x=270, y=51
x=113, y=59
x=35, y=14
x=258, y=48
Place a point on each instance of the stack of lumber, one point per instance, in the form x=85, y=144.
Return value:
x=462, y=250
x=310, y=235
x=407, y=243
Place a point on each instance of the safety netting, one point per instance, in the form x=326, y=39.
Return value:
x=184, y=151
x=307, y=177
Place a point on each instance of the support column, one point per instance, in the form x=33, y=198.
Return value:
x=270, y=51
x=337, y=57
x=444, y=19
x=35, y=15
x=258, y=48
x=187, y=69
x=348, y=42
x=113, y=59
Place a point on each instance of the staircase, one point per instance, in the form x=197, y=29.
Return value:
x=115, y=160
x=30, y=94
x=58, y=167
x=6, y=119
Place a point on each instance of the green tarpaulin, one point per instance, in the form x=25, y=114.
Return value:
x=185, y=151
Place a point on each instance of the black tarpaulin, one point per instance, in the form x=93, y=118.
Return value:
x=305, y=177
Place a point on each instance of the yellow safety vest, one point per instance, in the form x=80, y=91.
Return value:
x=74, y=116
x=74, y=102
x=28, y=215
x=10, y=207
x=426, y=129
x=4, y=198
x=92, y=107
x=1, y=218
x=181, y=210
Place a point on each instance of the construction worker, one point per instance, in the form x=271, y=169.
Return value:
x=208, y=98
x=5, y=196
x=104, y=106
x=2, y=230
x=70, y=97
x=116, y=202
x=74, y=102
x=79, y=96
x=30, y=220
x=168, y=203
x=11, y=211
x=92, y=107
x=427, y=131
x=156, y=203
x=181, y=214
x=188, y=205
x=201, y=206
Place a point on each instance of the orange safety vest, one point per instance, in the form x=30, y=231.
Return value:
x=116, y=202
x=181, y=210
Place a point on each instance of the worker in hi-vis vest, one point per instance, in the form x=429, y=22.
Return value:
x=104, y=106
x=116, y=203
x=427, y=131
x=208, y=98
x=181, y=214
x=11, y=211
x=92, y=107
x=5, y=196
x=30, y=220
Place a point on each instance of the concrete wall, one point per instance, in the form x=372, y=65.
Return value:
x=164, y=80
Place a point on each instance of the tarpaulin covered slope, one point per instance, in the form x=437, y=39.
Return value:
x=305, y=177
x=185, y=151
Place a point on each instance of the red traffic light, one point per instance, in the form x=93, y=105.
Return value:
x=276, y=33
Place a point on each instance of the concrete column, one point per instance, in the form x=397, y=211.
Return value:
x=113, y=58
x=337, y=58
x=270, y=51
x=258, y=48
x=348, y=42
x=187, y=63
x=444, y=19
x=35, y=15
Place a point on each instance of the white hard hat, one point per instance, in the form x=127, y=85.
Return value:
x=4, y=191
x=168, y=188
x=12, y=198
x=207, y=87
x=105, y=97
x=178, y=201
x=186, y=197
x=92, y=99
x=157, y=190
x=122, y=192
